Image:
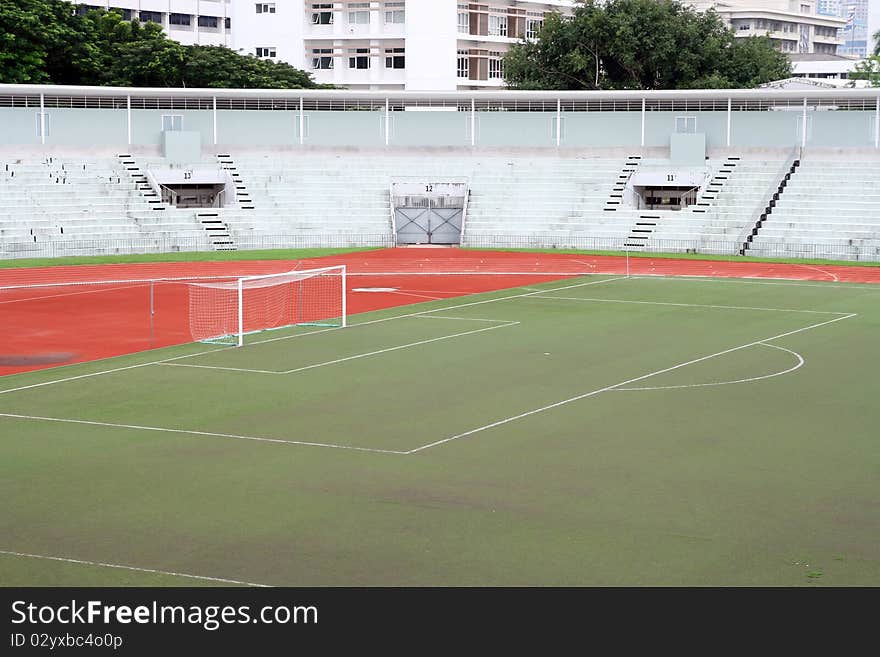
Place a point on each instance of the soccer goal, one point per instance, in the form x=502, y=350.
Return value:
x=223, y=312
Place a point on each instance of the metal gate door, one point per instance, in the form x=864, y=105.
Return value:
x=428, y=225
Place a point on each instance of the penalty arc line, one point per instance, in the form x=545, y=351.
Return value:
x=620, y=385
x=800, y=364
x=155, y=571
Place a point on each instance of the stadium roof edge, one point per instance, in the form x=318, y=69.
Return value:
x=501, y=95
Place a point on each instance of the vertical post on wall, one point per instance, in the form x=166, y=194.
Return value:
x=877, y=124
x=729, y=119
x=644, y=111
x=804, y=126
x=214, y=112
x=240, y=312
x=473, y=122
x=387, y=122
x=558, y=122
x=43, y=119
x=302, y=122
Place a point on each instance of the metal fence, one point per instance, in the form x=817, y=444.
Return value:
x=170, y=244
x=696, y=247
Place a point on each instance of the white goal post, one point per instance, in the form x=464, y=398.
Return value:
x=223, y=312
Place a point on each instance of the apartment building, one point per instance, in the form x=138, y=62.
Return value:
x=795, y=26
x=418, y=45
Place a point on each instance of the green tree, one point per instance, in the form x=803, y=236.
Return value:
x=30, y=32
x=47, y=41
x=641, y=44
x=753, y=61
x=219, y=67
x=869, y=70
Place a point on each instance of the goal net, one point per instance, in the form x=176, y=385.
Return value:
x=223, y=312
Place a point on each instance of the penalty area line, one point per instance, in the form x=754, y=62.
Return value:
x=138, y=569
x=289, y=337
x=190, y=432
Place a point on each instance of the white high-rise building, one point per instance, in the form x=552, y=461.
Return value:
x=419, y=45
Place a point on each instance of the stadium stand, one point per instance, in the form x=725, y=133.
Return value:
x=72, y=200
x=828, y=209
x=91, y=170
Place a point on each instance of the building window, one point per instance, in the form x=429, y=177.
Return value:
x=395, y=13
x=361, y=60
x=179, y=19
x=322, y=14
x=266, y=52
x=265, y=7
x=359, y=13
x=228, y=23
x=150, y=17
x=42, y=124
x=172, y=122
x=685, y=124
x=209, y=21
x=322, y=58
x=464, y=64
x=395, y=58
x=496, y=66
x=464, y=20
x=127, y=14
x=498, y=22
x=534, y=23
x=82, y=10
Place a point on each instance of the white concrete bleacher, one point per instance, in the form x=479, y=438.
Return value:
x=55, y=205
x=718, y=229
x=830, y=209
x=348, y=193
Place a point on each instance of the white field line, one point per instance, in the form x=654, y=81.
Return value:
x=73, y=294
x=134, y=568
x=693, y=305
x=348, y=358
x=621, y=384
x=418, y=296
x=822, y=271
x=298, y=335
x=753, y=280
x=800, y=364
x=469, y=319
x=189, y=432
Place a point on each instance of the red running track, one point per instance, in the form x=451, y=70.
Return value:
x=51, y=326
